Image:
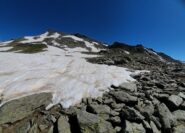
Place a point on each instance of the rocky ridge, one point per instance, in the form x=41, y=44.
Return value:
x=153, y=104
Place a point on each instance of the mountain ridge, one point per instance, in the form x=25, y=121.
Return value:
x=127, y=47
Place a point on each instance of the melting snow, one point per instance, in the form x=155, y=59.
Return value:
x=5, y=43
x=152, y=52
x=88, y=44
x=69, y=78
x=33, y=39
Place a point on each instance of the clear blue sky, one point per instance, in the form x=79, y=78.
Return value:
x=159, y=24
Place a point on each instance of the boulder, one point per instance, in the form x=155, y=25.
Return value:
x=23, y=127
x=51, y=129
x=179, y=129
x=115, y=120
x=18, y=109
x=147, y=126
x=99, y=109
x=131, y=114
x=156, y=121
x=166, y=117
x=146, y=109
x=118, y=129
x=63, y=125
x=179, y=114
x=175, y=101
x=33, y=129
x=154, y=128
x=182, y=95
x=43, y=127
x=124, y=97
x=183, y=105
x=129, y=86
x=134, y=128
x=91, y=123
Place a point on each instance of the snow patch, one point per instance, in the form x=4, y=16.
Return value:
x=55, y=43
x=73, y=37
x=33, y=39
x=68, y=78
x=152, y=52
x=5, y=43
x=88, y=44
x=55, y=35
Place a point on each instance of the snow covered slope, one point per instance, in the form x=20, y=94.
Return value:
x=62, y=71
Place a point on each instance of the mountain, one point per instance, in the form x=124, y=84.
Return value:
x=58, y=82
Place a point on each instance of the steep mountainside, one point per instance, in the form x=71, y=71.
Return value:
x=70, y=83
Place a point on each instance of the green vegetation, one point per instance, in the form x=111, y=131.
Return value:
x=28, y=48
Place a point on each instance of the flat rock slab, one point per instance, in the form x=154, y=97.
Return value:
x=99, y=109
x=63, y=125
x=129, y=86
x=18, y=109
x=175, y=100
x=179, y=114
x=90, y=123
x=166, y=117
x=124, y=97
x=134, y=128
x=179, y=129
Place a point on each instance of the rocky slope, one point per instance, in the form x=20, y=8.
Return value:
x=151, y=102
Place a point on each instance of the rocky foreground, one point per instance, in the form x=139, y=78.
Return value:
x=155, y=103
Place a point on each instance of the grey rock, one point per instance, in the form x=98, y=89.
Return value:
x=166, y=117
x=124, y=97
x=117, y=106
x=132, y=115
x=115, y=120
x=146, y=109
x=63, y=125
x=182, y=95
x=154, y=128
x=108, y=101
x=99, y=100
x=42, y=127
x=23, y=128
x=129, y=86
x=117, y=129
x=146, y=125
x=179, y=114
x=179, y=129
x=1, y=130
x=156, y=121
x=99, y=109
x=104, y=116
x=114, y=113
x=51, y=129
x=183, y=105
x=175, y=100
x=155, y=101
x=53, y=119
x=134, y=128
x=161, y=95
x=90, y=123
x=33, y=129
x=20, y=108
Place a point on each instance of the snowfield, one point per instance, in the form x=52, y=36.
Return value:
x=63, y=72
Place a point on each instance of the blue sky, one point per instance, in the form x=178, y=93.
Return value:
x=158, y=24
